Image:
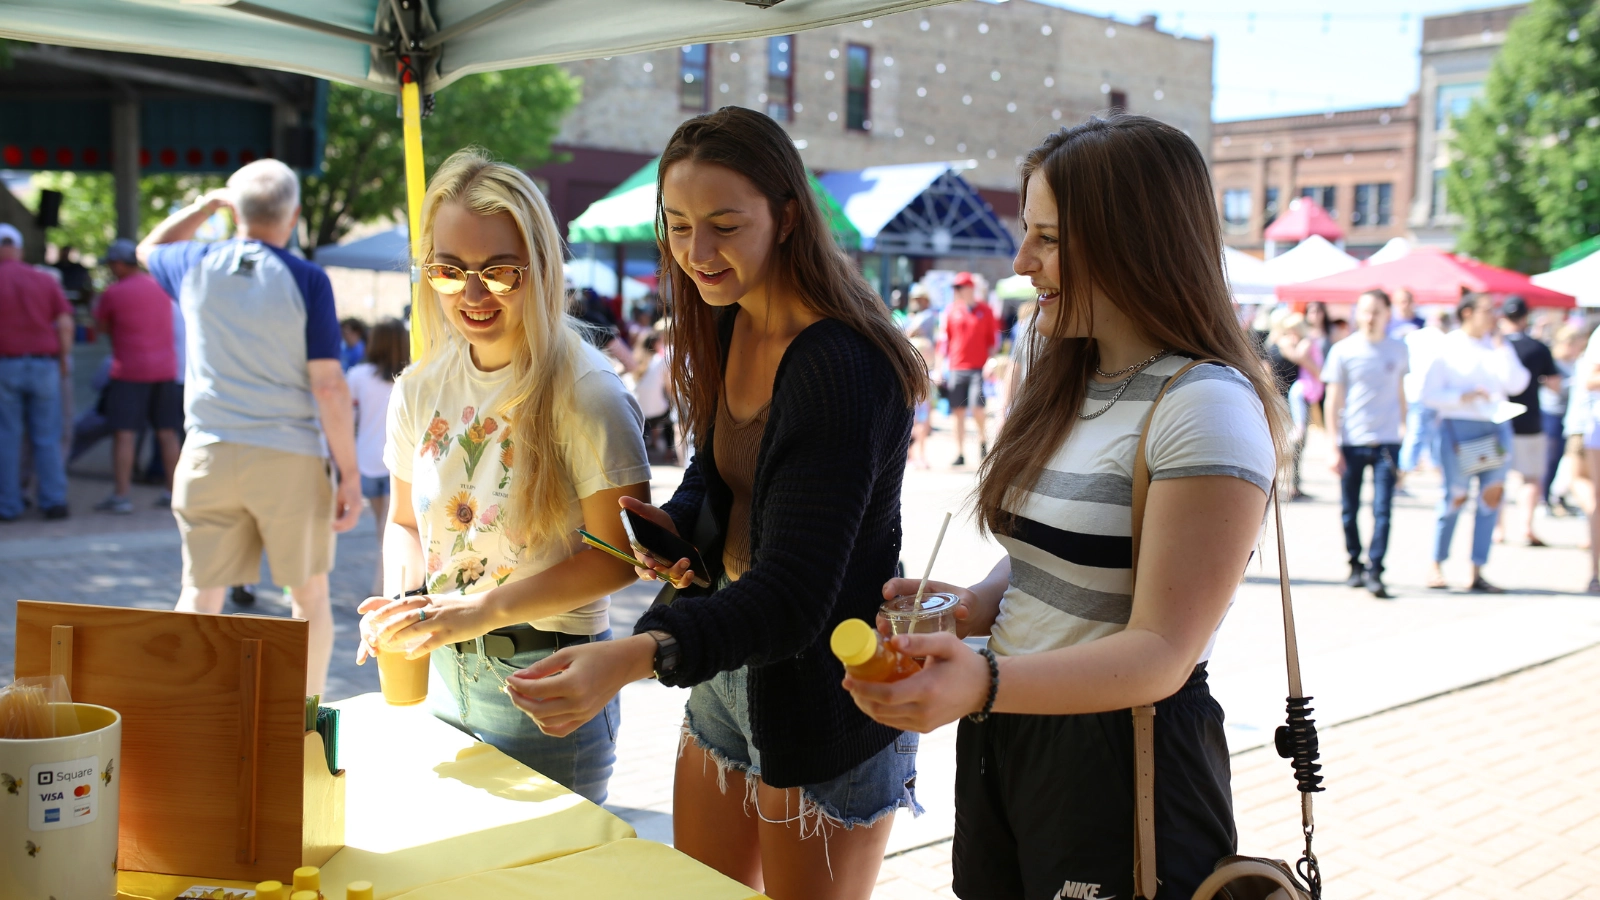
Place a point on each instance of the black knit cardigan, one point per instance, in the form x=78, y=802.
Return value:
x=824, y=537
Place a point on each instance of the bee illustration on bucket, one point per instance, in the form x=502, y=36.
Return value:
x=105, y=777
x=32, y=848
x=10, y=781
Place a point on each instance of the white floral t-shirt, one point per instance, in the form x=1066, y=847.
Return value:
x=449, y=437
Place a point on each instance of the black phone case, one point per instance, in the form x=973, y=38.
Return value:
x=664, y=545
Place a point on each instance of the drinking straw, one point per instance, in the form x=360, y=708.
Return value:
x=917, y=604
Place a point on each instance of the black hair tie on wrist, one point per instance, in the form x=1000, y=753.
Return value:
x=994, y=686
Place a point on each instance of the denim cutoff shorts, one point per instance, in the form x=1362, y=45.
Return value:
x=718, y=718
x=373, y=488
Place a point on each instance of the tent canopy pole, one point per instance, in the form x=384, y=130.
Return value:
x=416, y=186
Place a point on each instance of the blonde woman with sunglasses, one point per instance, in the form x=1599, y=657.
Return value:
x=506, y=436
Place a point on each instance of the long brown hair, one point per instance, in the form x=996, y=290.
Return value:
x=389, y=348
x=826, y=281
x=1137, y=220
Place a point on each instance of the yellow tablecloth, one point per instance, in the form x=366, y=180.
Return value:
x=426, y=803
x=622, y=870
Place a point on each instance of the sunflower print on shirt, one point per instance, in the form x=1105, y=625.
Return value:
x=466, y=516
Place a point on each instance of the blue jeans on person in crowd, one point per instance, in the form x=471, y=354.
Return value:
x=1422, y=424
x=466, y=692
x=1555, y=448
x=30, y=403
x=1457, y=485
x=1381, y=459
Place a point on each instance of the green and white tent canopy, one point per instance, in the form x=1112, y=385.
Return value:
x=627, y=215
x=354, y=41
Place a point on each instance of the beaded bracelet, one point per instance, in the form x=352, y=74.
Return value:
x=994, y=686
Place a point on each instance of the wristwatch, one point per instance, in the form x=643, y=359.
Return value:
x=666, y=661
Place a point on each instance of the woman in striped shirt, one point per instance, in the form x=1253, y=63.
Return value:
x=1122, y=242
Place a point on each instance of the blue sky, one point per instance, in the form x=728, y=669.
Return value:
x=1341, y=55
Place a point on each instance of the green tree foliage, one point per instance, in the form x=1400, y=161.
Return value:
x=513, y=114
x=1525, y=173
x=89, y=208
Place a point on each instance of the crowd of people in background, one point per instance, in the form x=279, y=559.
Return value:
x=802, y=399
x=1484, y=393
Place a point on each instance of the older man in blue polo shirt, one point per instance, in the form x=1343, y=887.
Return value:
x=265, y=404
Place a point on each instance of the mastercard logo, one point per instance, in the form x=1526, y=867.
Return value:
x=81, y=790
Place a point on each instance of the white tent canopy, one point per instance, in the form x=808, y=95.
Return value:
x=1312, y=258
x=357, y=41
x=1249, y=280
x=1396, y=248
x=1581, y=280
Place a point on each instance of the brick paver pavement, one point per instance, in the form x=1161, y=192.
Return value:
x=1362, y=656
x=1491, y=791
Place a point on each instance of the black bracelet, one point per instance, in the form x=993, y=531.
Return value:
x=994, y=686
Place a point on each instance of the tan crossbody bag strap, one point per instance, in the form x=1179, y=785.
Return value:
x=1144, y=855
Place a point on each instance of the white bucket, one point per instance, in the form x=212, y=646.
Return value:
x=58, y=811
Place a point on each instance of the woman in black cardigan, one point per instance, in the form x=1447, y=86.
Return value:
x=798, y=390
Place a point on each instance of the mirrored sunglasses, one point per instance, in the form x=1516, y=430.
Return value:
x=448, y=279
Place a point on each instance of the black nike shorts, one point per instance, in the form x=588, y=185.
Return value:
x=1044, y=804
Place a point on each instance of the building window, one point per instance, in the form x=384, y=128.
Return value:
x=1325, y=196
x=1441, y=194
x=780, y=77
x=857, y=88
x=694, y=65
x=1373, y=202
x=1269, y=209
x=1236, y=210
x=1453, y=101
x=1119, y=101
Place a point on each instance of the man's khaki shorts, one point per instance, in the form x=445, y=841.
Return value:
x=234, y=500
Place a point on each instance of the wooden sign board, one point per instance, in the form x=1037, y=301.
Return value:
x=217, y=773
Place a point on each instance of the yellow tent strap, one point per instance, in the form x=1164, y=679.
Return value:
x=416, y=186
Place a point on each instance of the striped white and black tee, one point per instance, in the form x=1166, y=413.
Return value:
x=1071, y=545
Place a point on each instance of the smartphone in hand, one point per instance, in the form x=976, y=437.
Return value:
x=665, y=546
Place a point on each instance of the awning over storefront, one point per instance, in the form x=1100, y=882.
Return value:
x=628, y=214
x=920, y=209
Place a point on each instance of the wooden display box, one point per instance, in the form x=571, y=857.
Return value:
x=219, y=776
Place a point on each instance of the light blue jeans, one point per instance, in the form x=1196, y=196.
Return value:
x=1457, y=486
x=466, y=693
x=30, y=403
x=1422, y=424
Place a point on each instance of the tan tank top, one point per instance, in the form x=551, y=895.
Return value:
x=736, y=446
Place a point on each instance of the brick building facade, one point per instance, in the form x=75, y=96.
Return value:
x=1456, y=53
x=1358, y=164
x=971, y=81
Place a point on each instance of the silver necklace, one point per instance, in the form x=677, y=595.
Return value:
x=1133, y=368
x=1132, y=371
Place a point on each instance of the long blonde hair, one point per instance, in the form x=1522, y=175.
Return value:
x=1137, y=220
x=545, y=362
